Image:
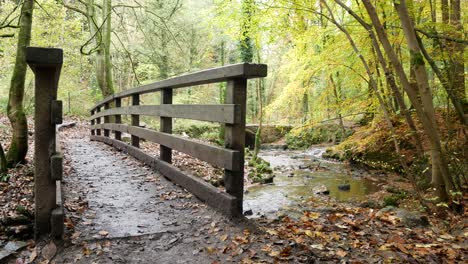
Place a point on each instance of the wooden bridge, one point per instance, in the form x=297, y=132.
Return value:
x=107, y=126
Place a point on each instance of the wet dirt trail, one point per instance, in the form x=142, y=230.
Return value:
x=121, y=211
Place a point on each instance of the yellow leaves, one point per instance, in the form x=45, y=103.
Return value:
x=210, y=250
x=312, y=215
x=335, y=236
x=389, y=218
x=272, y=232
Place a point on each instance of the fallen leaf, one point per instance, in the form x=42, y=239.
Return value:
x=103, y=233
x=210, y=250
x=49, y=251
x=341, y=253
x=33, y=255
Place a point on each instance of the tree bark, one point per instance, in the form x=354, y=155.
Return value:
x=102, y=38
x=457, y=50
x=338, y=104
x=440, y=173
x=19, y=142
x=390, y=79
x=3, y=162
x=374, y=87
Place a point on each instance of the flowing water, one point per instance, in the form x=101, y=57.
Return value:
x=299, y=175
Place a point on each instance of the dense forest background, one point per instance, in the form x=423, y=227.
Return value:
x=395, y=67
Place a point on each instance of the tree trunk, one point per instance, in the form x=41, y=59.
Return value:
x=305, y=106
x=102, y=38
x=260, y=89
x=440, y=173
x=19, y=142
x=3, y=162
x=390, y=80
x=374, y=87
x=338, y=104
x=457, y=50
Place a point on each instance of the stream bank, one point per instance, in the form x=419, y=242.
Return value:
x=301, y=175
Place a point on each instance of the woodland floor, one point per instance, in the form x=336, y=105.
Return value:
x=119, y=211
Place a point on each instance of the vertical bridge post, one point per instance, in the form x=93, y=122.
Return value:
x=118, y=118
x=135, y=120
x=234, y=138
x=46, y=64
x=165, y=125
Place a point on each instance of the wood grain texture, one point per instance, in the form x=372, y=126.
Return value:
x=220, y=74
x=220, y=157
x=226, y=113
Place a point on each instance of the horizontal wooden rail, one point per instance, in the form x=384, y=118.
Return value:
x=225, y=73
x=106, y=118
x=221, y=157
x=213, y=113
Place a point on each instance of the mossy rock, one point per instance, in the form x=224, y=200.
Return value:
x=304, y=137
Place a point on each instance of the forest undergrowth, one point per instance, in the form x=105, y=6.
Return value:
x=322, y=229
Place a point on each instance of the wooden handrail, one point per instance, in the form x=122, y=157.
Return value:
x=221, y=157
x=214, y=75
x=225, y=113
x=232, y=114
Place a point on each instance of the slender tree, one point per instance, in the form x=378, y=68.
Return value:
x=419, y=95
x=19, y=142
x=100, y=30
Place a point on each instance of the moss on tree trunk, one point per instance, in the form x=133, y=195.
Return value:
x=19, y=143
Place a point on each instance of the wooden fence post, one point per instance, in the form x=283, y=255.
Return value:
x=135, y=120
x=106, y=120
x=98, y=121
x=234, y=138
x=92, y=124
x=46, y=64
x=165, y=124
x=118, y=118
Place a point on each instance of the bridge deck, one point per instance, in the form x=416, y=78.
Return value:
x=148, y=219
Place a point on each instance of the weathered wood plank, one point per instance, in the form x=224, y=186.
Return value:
x=220, y=74
x=135, y=120
x=57, y=225
x=224, y=158
x=118, y=118
x=165, y=126
x=98, y=121
x=106, y=120
x=234, y=138
x=204, y=191
x=46, y=65
x=213, y=113
x=92, y=123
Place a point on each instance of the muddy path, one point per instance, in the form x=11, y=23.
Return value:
x=120, y=211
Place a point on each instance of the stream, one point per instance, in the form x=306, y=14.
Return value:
x=299, y=175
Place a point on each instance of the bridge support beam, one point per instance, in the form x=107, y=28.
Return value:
x=234, y=138
x=135, y=120
x=46, y=64
x=165, y=153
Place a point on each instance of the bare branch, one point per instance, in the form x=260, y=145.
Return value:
x=7, y=35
